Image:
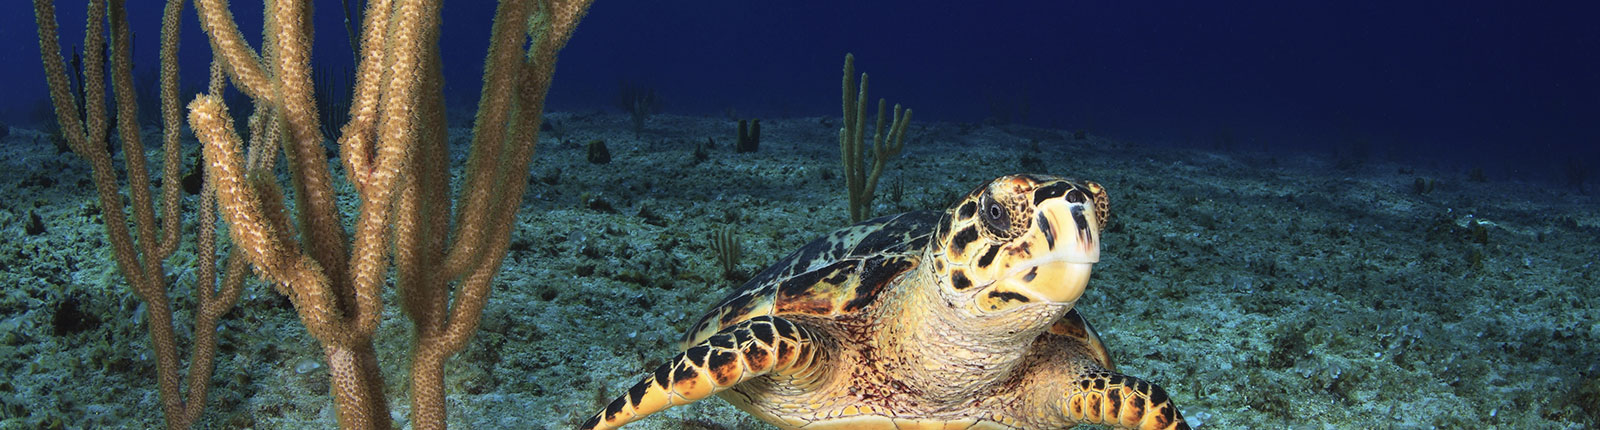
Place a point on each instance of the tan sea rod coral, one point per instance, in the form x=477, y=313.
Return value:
x=394, y=152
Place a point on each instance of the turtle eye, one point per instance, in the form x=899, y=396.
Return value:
x=995, y=216
x=1076, y=196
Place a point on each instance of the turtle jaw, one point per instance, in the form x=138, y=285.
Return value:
x=1057, y=282
x=1070, y=246
x=1057, y=258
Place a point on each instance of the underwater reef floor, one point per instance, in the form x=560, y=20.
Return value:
x=1262, y=290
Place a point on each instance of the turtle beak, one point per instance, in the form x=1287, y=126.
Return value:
x=1067, y=246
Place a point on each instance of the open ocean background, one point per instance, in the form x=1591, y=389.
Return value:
x=1509, y=87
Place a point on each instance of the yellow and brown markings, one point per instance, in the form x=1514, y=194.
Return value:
x=986, y=218
x=1004, y=209
x=999, y=226
x=1077, y=330
x=961, y=243
x=842, y=272
x=841, y=288
x=996, y=299
x=763, y=345
x=1122, y=401
x=1102, y=203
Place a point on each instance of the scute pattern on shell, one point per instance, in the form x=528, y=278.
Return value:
x=841, y=273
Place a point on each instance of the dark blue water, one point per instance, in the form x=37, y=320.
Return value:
x=1513, y=89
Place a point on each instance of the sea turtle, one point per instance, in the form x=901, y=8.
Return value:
x=922, y=320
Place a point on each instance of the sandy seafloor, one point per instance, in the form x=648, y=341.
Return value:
x=1262, y=290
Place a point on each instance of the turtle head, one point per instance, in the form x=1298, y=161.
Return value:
x=1021, y=239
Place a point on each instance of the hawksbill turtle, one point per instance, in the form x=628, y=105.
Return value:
x=921, y=320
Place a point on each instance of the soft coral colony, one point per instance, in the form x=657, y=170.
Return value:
x=394, y=152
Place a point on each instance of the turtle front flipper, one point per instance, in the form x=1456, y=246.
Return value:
x=1120, y=401
x=764, y=345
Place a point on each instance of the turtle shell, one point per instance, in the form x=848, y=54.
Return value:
x=837, y=275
